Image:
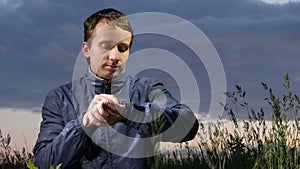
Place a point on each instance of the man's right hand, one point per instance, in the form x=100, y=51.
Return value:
x=104, y=110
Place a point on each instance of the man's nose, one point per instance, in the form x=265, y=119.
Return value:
x=114, y=54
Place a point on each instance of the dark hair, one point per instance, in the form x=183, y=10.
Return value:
x=113, y=16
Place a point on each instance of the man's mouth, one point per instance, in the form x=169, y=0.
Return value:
x=112, y=67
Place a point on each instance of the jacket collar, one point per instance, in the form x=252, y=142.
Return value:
x=100, y=86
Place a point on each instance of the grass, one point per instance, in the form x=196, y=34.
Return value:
x=249, y=144
x=12, y=159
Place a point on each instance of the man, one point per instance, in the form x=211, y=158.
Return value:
x=108, y=119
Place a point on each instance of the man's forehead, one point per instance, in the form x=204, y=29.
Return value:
x=106, y=31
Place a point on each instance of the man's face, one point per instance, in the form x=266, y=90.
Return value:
x=108, y=50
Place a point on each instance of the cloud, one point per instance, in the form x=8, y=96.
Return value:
x=279, y=1
x=5, y=48
x=70, y=29
x=237, y=35
x=57, y=52
x=11, y=4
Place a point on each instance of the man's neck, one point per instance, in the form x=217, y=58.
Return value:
x=95, y=75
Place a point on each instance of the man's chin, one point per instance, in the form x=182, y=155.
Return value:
x=118, y=74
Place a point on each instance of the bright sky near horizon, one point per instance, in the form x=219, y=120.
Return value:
x=40, y=41
x=22, y=126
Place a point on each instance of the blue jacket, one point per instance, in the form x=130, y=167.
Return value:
x=153, y=113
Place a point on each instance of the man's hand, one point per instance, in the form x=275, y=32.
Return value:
x=104, y=110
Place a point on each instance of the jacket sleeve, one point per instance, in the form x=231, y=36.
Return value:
x=161, y=114
x=58, y=143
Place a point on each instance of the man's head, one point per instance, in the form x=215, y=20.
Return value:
x=108, y=37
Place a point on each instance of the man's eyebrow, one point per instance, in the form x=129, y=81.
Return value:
x=107, y=41
x=113, y=42
x=104, y=40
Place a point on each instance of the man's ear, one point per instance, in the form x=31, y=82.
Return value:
x=85, y=49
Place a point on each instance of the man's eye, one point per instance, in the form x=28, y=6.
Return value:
x=123, y=48
x=106, y=45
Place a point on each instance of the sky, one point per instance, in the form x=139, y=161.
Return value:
x=256, y=41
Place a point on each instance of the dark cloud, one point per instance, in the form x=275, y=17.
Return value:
x=40, y=41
